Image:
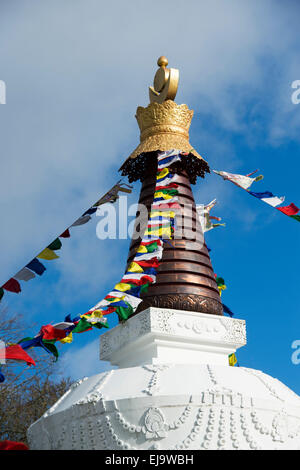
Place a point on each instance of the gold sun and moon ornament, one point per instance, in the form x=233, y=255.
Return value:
x=165, y=84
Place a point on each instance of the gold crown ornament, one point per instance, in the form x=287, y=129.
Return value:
x=164, y=125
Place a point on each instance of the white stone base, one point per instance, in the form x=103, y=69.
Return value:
x=177, y=392
x=161, y=336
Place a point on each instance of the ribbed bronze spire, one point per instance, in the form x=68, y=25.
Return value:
x=185, y=278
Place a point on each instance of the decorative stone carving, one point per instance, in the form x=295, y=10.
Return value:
x=201, y=405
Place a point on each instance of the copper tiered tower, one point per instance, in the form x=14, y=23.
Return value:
x=185, y=278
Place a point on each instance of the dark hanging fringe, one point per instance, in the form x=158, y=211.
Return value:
x=138, y=168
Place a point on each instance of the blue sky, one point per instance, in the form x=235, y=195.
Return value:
x=75, y=71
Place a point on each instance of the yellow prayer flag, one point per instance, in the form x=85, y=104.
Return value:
x=47, y=254
x=67, y=339
x=122, y=286
x=232, y=359
x=135, y=268
x=159, y=232
x=220, y=288
x=142, y=249
x=167, y=214
x=162, y=173
x=163, y=195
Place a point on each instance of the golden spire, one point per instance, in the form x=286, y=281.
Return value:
x=165, y=83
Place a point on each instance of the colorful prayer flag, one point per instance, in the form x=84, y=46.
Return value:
x=17, y=353
x=47, y=254
x=55, y=245
x=24, y=275
x=36, y=266
x=291, y=209
x=232, y=359
x=12, y=285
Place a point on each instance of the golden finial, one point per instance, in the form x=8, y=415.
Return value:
x=165, y=83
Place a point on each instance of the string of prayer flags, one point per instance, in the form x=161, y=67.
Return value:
x=35, y=266
x=267, y=196
x=142, y=270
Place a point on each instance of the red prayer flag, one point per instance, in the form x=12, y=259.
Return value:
x=138, y=282
x=169, y=186
x=151, y=263
x=291, y=209
x=12, y=445
x=16, y=352
x=170, y=205
x=65, y=234
x=49, y=332
x=12, y=286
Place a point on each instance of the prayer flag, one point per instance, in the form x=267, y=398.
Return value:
x=47, y=254
x=240, y=180
x=232, y=359
x=1, y=293
x=90, y=211
x=227, y=310
x=55, y=245
x=12, y=285
x=296, y=217
x=49, y=332
x=135, y=268
x=82, y=220
x=36, y=266
x=12, y=445
x=65, y=234
x=68, y=339
x=17, y=353
x=291, y=209
x=24, y=275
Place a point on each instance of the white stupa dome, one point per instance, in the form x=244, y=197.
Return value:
x=185, y=397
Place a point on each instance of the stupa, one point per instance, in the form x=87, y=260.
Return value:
x=173, y=388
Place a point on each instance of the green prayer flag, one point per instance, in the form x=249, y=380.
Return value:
x=51, y=348
x=100, y=325
x=55, y=245
x=171, y=192
x=82, y=325
x=220, y=281
x=144, y=288
x=296, y=217
x=152, y=247
x=1, y=293
x=124, y=312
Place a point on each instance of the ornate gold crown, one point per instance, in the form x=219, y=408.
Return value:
x=164, y=126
